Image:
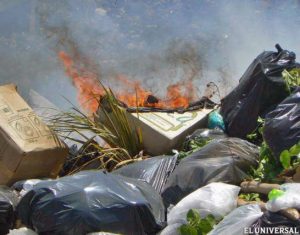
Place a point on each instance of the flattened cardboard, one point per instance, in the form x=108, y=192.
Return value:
x=28, y=149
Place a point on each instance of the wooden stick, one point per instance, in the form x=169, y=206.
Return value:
x=257, y=187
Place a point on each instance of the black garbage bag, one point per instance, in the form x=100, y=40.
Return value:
x=154, y=171
x=273, y=220
x=8, y=202
x=282, y=126
x=224, y=160
x=201, y=136
x=260, y=89
x=92, y=201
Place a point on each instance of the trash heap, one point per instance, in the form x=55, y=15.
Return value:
x=232, y=169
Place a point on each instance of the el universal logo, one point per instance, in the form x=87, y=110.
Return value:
x=272, y=230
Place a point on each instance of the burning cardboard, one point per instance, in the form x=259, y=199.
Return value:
x=28, y=148
x=162, y=131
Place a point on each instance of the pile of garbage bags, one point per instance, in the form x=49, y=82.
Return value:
x=156, y=195
x=261, y=88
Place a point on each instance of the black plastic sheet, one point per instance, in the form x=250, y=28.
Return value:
x=282, y=126
x=92, y=201
x=225, y=160
x=271, y=220
x=8, y=202
x=260, y=89
x=154, y=171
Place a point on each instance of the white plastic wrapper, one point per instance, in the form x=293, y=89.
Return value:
x=239, y=219
x=290, y=199
x=217, y=199
x=22, y=231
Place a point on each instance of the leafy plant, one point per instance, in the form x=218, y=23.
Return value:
x=286, y=156
x=250, y=197
x=292, y=78
x=194, y=145
x=267, y=169
x=122, y=143
x=256, y=135
x=196, y=225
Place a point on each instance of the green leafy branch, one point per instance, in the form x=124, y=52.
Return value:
x=196, y=225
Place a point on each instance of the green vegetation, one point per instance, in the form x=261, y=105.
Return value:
x=290, y=158
x=292, y=78
x=250, y=197
x=196, y=225
x=195, y=145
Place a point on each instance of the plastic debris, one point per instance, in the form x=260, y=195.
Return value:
x=92, y=201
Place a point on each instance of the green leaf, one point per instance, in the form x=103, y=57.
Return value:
x=285, y=159
x=295, y=150
x=186, y=229
x=193, y=216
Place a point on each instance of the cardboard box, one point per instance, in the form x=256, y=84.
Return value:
x=28, y=149
x=163, y=132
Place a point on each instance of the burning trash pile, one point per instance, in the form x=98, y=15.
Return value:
x=145, y=165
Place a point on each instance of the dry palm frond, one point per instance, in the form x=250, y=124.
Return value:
x=111, y=125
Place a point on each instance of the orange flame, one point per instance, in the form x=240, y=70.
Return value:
x=90, y=91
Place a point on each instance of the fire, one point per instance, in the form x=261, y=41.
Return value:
x=90, y=91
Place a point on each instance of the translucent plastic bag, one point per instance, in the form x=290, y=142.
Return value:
x=217, y=199
x=290, y=198
x=238, y=221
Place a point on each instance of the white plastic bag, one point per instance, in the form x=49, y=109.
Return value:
x=171, y=230
x=290, y=198
x=22, y=231
x=217, y=199
x=238, y=220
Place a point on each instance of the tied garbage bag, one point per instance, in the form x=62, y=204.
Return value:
x=269, y=221
x=202, y=136
x=224, y=160
x=217, y=199
x=238, y=221
x=260, y=89
x=282, y=126
x=92, y=201
x=8, y=202
x=290, y=198
x=154, y=171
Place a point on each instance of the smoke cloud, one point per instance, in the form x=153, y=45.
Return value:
x=155, y=42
